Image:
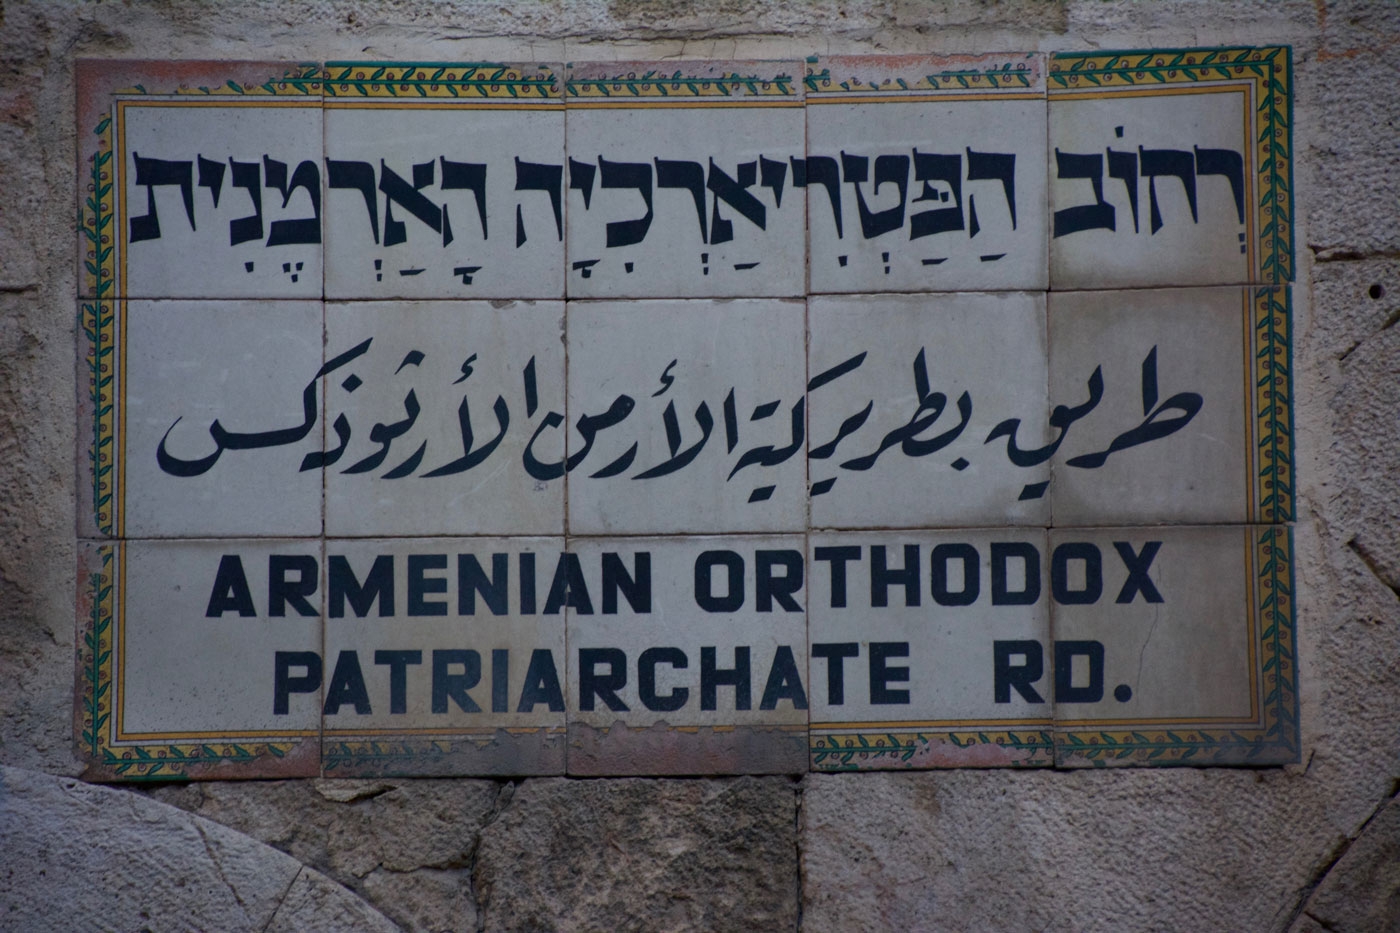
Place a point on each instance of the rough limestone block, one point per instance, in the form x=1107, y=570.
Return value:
x=406, y=846
x=1143, y=849
x=1352, y=168
x=1367, y=435
x=1362, y=891
x=641, y=855
x=104, y=859
x=1352, y=301
x=897, y=851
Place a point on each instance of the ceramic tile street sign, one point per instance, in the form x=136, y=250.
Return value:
x=696, y=417
x=1204, y=366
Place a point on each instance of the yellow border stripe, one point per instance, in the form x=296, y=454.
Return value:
x=399, y=103
x=969, y=96
x=934, y=724
x=464, y=731
x=1161, y=90
x=666, y=103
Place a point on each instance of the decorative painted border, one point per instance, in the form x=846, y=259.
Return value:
x=437, y=80
x=655, y=83
x=303, y=79
x=1268, y=69
x=406, y=755
x=95, y=639
x=350, y=756
x=95, y=213
x=1010, y=75
x=97, y=318
x=1273, y=404
x=98, y=697
x=1272, y=740
x=860, y=750
x=97, y=206
x=98, y=322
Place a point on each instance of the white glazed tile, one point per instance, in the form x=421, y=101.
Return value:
x=1170, y=439
x=654, y=624
x=430, y=370
x=927, y=648
x=235, y=381
x=179, y=651
x=1151, y=190
x=924, y=174
x=187, y=120
x=202, y=623
x=696, y=412
x=220, y=200
x=978, y=360
x=445, y=196
x=1173, y=645
x=678, y=189
x=442, y=655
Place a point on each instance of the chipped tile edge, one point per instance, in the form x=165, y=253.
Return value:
x=1010, y=73
x=857, y=747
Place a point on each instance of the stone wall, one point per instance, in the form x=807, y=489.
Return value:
x=1303, y=848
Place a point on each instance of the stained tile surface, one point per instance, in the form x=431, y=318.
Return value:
x=220, y=406
x=928, y=649
x=716, y=683
x=443, y=656
x=1172, y=645
x=1169, y=437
